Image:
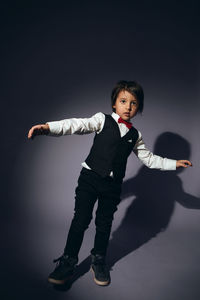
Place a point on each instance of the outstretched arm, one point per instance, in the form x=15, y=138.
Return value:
x=69, y=126
x=154, y=161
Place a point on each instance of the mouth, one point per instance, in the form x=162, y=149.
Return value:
x=127, y=115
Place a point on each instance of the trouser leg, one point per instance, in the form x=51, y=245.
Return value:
x=85, y=199
x=107, y=206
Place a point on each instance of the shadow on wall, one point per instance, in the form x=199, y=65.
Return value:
x=155, y=193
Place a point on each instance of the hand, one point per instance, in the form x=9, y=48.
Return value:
x=183, y=163
x=40, y=129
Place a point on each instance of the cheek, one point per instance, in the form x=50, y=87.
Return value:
x=118, y=107
x=134, y=110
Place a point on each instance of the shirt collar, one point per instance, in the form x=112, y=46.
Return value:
x=115, y=116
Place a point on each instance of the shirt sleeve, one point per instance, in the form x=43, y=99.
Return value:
x=151, y=160
x=77, y=125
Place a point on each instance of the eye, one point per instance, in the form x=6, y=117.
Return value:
x=123, y=101
x=134, y=103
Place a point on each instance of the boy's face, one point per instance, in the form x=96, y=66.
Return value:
x=126, y=105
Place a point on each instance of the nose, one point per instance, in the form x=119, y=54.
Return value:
x=128, y=106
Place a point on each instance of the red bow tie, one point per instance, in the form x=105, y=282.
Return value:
x=128, y=124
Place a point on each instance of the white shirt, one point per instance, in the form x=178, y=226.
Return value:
x=95, y=124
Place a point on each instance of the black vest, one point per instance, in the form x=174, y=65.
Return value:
x=110, y=151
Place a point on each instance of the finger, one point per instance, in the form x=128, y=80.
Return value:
x=187, y=162
x=33, y=135
x=185, y=165
x=30, y=133
x=35, y=132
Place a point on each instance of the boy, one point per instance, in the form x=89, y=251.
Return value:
x=102, y=174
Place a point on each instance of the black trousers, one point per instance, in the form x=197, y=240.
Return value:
x=91, y=187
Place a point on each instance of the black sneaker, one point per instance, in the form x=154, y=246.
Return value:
x=100, y=270
x=64, y=269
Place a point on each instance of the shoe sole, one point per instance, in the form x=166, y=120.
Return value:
x=63, y=281
x=102, y=283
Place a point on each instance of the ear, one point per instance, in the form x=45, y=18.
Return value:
x=114, y=108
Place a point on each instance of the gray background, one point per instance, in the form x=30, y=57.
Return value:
x=62, y=62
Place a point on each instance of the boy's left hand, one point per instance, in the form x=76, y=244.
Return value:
x=183, y=163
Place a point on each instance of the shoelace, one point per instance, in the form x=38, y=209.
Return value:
x=64, y=259
x=59, y=260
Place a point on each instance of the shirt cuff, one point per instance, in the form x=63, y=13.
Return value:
x=54, y=128
x=171, y=165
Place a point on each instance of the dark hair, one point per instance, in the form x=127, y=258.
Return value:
x=133, y=88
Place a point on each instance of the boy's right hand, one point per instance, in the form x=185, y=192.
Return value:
x=40, y=129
